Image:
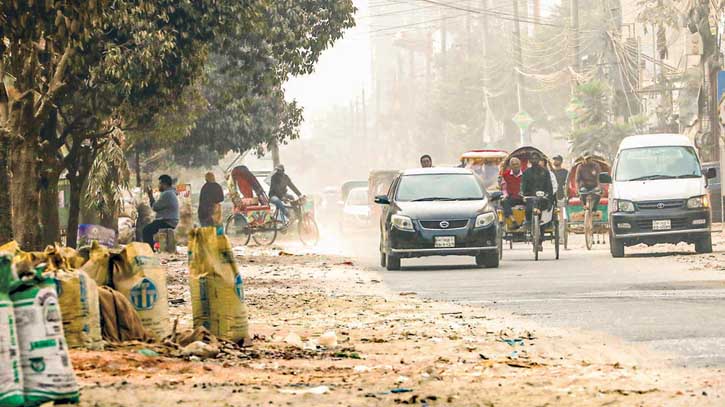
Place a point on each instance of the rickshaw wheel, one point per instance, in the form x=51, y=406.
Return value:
x=236, y=226
x=536, y=235
x=565, y=238
x=265, y=237
x=556, y=239
x=588, y=228
x=499, y=241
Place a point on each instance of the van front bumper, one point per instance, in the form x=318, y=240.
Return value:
x=687, y=225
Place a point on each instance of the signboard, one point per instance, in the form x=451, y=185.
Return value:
x=523, y=120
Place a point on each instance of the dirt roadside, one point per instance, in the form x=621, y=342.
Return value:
x=393, y=348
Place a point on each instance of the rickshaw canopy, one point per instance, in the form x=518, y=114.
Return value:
x=524, y=155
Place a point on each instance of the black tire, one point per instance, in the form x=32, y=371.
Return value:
x=565, y=228
x=236, y=226
x=392, y=263
x=704, y=245
x=383, y=260
x=489, y=260
x=616, y=247
x=536, y=235
x=499, y=241
x=588, y=226
x=556, y=239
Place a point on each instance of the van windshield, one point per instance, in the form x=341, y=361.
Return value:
x=649, y=163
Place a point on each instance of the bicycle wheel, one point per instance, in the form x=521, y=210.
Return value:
x=536, y=235
x=499, y=241
x=266, y=236
x=588, y=225
x=308, y=230
x=236, y=227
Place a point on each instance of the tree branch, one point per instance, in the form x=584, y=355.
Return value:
x=57, y=82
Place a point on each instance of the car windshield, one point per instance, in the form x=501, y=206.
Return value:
x=649, y=163
x=357, y=197
x=439, y=187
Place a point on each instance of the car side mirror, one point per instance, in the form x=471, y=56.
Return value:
x=605, y=178
x=496, y=196
x=382, y=200
x=711, y=173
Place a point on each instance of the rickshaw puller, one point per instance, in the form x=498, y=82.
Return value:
x=535, y=179
x=587, y=181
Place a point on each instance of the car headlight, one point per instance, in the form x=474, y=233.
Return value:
x=485, y=219
x=625, y=206
x=698, y=202
x=402, y=222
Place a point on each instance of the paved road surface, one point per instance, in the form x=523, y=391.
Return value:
x=651, y=298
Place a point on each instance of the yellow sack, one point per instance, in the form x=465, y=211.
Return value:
x=98, y=266
x=78, y=298
x=217, y=288
x=63, y=258
x=138, y=275
x=12, y=247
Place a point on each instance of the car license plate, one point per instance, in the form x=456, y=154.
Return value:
x=661, y=224
x=445, y=241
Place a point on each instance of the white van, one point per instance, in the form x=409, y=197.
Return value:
x=658, y=194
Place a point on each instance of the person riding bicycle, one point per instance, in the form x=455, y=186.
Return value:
x=280, y=183
x=536, y=178
x=587, y=181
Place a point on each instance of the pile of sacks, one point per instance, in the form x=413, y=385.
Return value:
x=105, y=295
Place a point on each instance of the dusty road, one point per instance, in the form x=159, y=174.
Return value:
x=666, y=297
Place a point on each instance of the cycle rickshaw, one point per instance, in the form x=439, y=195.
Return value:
x=547, y=219
x=580, y=219
x=486, y=164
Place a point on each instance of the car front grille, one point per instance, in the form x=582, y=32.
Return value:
x=452, y=224
x=654, y=205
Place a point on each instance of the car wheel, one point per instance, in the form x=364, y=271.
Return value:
x=616, y=247
x=704, y=245
x=488, y=260
x=393, y=263
x=383, y=259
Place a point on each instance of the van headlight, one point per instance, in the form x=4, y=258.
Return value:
x=402, y=223
x=702, y=201
x=623, y=205
x=485, y=219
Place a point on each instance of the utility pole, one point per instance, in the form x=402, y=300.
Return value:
x=518, y=64
x=364, y=117
x=444, y=44
x=484, y=42
x=575, y=29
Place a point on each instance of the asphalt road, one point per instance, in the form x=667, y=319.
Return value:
x=654, y=298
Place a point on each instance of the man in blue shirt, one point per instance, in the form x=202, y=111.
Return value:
x=166, y=208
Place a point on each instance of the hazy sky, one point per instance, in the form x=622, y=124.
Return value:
x=344, y=70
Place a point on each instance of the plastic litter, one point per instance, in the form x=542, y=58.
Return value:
x=200, y=349
x=400, y=390
x=313, y=390
x=328, y=339
x=148, y=352
x=513, y=342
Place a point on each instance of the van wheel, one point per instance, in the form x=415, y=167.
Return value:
x=704, y=245
x=488, y=260
x=393, y=263
x=616, y=246
x=383, y=259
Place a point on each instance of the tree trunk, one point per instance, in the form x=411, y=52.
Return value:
x=6, y=225
x=49, y=212
x=77, y=176
x=24, y=191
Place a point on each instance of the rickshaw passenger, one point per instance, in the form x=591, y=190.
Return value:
x=535, y=179
x=511, y=187
x=587, y=180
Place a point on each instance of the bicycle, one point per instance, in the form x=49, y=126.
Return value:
x=588, y=197
x=543, y=222
x=302, y=215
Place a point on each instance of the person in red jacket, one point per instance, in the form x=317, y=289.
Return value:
x=511, y=187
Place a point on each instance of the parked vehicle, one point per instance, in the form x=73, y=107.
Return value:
x=379, y=183
x=714, y=185
x=658, y=194
x=438, y=212
x=356, y=212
